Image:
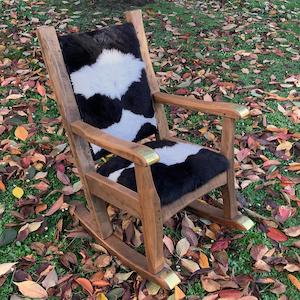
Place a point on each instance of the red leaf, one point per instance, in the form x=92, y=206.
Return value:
x=242, y=154
x=182, y=92
x=56, y=206
x=220, y=245
x=276, y=235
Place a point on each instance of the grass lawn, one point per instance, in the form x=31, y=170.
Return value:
x=245, y=52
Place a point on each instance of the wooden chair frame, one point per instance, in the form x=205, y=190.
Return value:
x=145, y=203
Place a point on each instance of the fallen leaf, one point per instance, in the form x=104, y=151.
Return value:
x=257, y=252
x=262, y=266
x=230, y=294
x=18, y=192
x=182, y=247
x=6, y=267
x=21, y=133
x=34, y=226
x=292, y=267
x=31, y=289
x=2, y=186
x=190, y=265
x=295, y=281
x=207, y=98
x=220, y=245
x=203, y=261
x=121, y=277
x=178, y=293
x=101, y=296
x=86, y=285
x=169, y=244
x=40, y=88
x=56, y=206
x=276, y=235
x=292, y=231
x=278, y=288
x=210, y=285
x=50, y=280
x=229, y=26
x=7, y=236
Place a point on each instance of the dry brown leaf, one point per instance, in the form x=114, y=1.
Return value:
x=262, y=266
x=50, y=280
x=278, y=288
x=295, y=281
x=292, y=267
x=31, y=289
x=169, y=244
x=210, y=285
x=178, y=293
x=190, y=265
x=6, y=267
x=292, y=231
x=182, y=247
x=203, y=261
x=21, y=133
x=258, y=252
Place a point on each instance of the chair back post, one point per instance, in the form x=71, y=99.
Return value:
x=67, y=105
x=135, y=17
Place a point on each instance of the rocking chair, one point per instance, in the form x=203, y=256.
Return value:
x=117, y=102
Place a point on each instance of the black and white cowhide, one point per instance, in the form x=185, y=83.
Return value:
x=181, y=169
x=109, y=82
x=112, y=93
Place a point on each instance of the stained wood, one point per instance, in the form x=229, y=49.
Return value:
x=114, y=193
x=170, y=210
x=166, y=278
x=210, y=212
x=69, y=111
x=229, y=110
x=151, y=218
x=137, y=153
x=228, y=190
x=135, y=17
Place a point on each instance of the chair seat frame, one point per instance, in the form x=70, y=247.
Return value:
x=145, y=203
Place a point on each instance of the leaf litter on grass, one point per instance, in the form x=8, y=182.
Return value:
x=236, y=52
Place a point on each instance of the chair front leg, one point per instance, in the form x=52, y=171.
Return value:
x=151, y=219
x=228, y=190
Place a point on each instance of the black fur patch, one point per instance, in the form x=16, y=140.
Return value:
x=81, y=49
x=172, y=181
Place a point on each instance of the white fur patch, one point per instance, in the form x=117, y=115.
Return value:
x=111, y=75
x=127, y=128
x=178, y=153
x=168, y=155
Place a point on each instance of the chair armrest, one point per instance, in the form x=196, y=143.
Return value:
x=224, y=109
x=136, y=153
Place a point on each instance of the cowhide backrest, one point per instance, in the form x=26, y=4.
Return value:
x=109, y=82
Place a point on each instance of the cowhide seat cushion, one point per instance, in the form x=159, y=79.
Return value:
x=182, y=168
x=109, y=81
x=111, y=89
